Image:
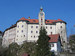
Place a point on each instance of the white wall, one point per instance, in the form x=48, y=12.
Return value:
x=21, y=32
x=49, y=30
x=63, y=29
x=12, y=35
x=9, y=37
x=34, y=29
x=54, y=48
x=63, y=34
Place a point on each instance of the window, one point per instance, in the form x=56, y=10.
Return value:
x=17, y=35
x=22, y=25
x=51, y=33
x=24, y=35
x=31, y=26
x=22, y=30
x=31, y=31
x=61, y=31
x=34, y=36
x=36, y=26
x=50, y=27
x=46, y=27
x=36, y=31
x=52, y=45
x=60, y=26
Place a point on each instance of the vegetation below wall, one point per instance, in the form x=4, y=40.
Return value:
x=39, y=48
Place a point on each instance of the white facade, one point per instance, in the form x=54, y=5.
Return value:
x=27, y=30
x=56, y=47
x=9, y=37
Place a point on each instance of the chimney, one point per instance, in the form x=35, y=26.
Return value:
x=28, y=17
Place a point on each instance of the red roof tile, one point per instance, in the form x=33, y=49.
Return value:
x=22, y=18
x=37, y=21
x=54, y=37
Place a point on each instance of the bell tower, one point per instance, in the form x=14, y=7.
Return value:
x=41, y=18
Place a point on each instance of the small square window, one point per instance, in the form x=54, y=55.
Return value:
x=36, y=26
x=60, y=26
x=22, y=30
x=31, y=26
x=24, y=35
x=22, y=25
x=46, y=27
x=31, y=31
x=52, y=45
x=61, y=31
x=36, y=31
x=50, y=27
x=34, y=36
x=51, y=33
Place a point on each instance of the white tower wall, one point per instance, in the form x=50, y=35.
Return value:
x=61, y=29
x=21, y=32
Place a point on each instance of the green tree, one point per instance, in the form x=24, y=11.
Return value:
x=12, y=50
x=28, y=47
x=72, y=42
x=43, y=48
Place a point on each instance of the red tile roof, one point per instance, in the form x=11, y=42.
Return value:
x=22, y=18
x=54, y=37
x=37, y=21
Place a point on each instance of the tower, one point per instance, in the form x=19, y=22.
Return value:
x=61, y=29
x=41, y=17
x=21, y=31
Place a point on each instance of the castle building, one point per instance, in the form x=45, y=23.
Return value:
x=28, y=29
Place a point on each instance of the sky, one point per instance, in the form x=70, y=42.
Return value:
x=12, y=10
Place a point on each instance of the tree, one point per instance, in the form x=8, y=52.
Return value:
x=12, y=50
x=27, y=47
x=42, y=48
x=72, y=42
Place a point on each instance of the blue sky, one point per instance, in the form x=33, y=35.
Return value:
x=13, y=10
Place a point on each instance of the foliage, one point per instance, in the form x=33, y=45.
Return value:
x=17, y=50
x=72, y=42
x=13, y=49
x=43, y=48
x=29, y=48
